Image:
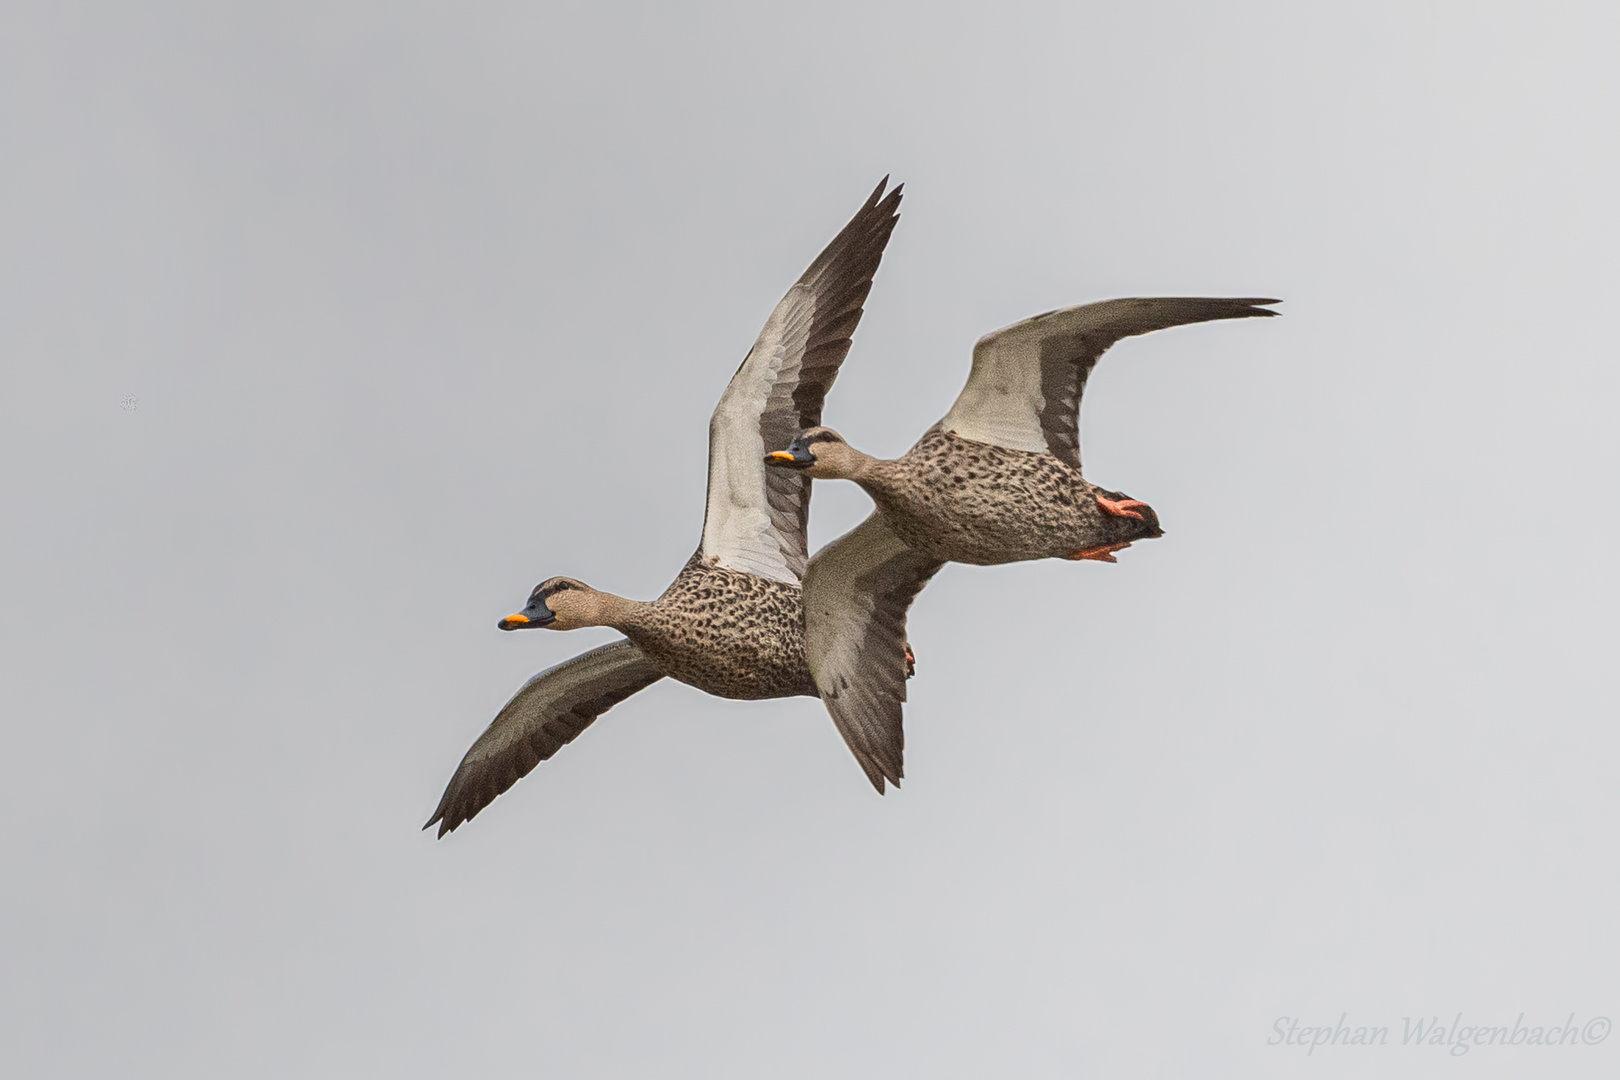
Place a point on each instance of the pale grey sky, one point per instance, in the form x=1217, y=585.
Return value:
x=418, y=304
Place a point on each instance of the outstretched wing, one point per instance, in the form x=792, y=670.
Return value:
x=543, y=717
x=1024, y=390
x=856, y=595
x=755, y=519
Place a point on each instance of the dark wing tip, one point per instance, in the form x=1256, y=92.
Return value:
x=877, y=192
x=878, y=778
x=878, y=770
x=875, y=773
x=446, y=825
x=453, y=811
x=462, y=803
x=885, y=205
x=1194, y=309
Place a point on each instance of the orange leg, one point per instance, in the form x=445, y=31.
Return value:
x=1100, y=553
x=911, y=661
x=1121, y=508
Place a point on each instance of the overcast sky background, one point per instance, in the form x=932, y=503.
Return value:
x=419, y=304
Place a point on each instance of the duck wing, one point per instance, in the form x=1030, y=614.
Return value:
x=856, y=595
x=1024, y=390
x=543, y=717
x=755, y=517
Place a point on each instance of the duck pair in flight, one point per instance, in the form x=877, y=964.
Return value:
x=752, y=615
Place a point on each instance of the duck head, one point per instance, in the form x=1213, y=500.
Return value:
x=818, y=452
x=557, y=603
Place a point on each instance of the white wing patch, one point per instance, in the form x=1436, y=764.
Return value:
x=737, y=529
x=1002, y=401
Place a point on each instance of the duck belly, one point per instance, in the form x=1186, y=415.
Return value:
x=971, y=502
x=985, y=532
x=729, y=634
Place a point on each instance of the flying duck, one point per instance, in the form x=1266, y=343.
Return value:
x=732, y=623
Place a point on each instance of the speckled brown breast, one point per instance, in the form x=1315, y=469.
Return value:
x=970, y=502
x=728, y=633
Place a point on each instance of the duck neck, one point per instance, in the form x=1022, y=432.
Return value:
x=849, y=463
x=618, y=612
x=874, y=475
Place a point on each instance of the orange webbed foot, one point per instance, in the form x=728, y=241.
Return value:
x=1100, y=553
x=1121, y=508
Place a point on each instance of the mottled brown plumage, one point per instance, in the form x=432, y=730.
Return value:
x=730, y=634
x=958, y=500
